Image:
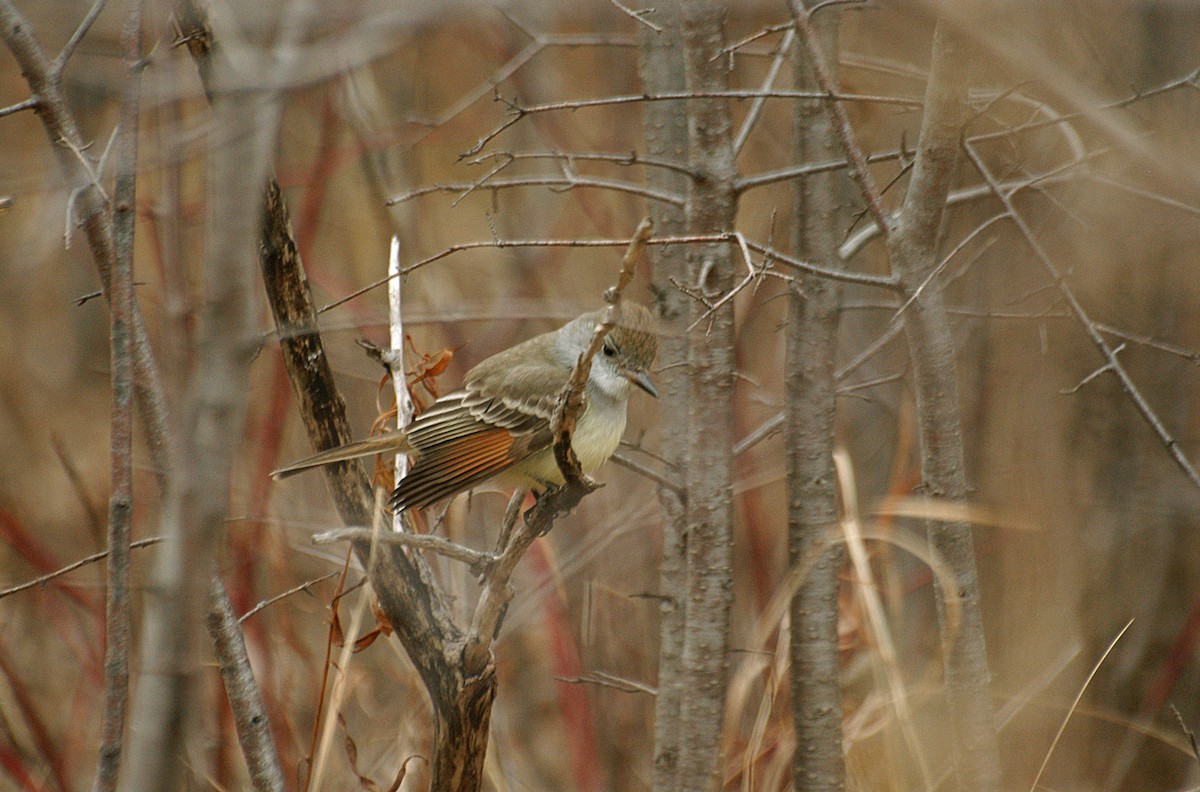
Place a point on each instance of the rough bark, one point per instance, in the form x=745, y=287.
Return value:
x=404, y=584
x=914, y=249
x=118, y=617
x=809, y=407
x=249, y=712
x=665, y=127
x=711, y=207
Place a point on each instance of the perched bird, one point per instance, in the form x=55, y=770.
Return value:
x=498, y=423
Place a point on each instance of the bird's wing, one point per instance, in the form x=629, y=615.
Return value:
x=469, y=436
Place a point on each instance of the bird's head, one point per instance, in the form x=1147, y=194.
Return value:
x=628, y=352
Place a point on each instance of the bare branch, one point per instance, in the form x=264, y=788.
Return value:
x=568, y=182
x=570, y=401
x=28, y=104
x=1169, y=441
x=305, y=587
x=473, y=558
x=913, y=243
x=737, y=45
x=60, y=62
x=610, y=681
x=861, y=278
x=757, y=105
x=637, y=467
x=519, y=112
x=639, y=16
x=42, y=580
x=628, y=159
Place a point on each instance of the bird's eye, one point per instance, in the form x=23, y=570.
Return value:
x=609, y=350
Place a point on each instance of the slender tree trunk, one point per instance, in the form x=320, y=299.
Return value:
x=118, y=617
x=711, y=207
x=809, y=406
x=195, y=510
x=661, y=68
x=914, y=249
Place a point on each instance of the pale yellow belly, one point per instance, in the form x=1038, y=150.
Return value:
x=595, y=439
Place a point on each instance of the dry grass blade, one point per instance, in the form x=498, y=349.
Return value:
x=889, y=658
x=1075, y=704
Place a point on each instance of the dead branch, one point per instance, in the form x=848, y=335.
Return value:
x=1169, y=441
x=518, y=113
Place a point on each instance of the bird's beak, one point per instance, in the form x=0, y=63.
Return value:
x=640, y=379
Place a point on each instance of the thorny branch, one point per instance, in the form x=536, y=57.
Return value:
x=732, y=237
x=518, y=112
x=1091, y=328
x=568, y=181
x=42, y=580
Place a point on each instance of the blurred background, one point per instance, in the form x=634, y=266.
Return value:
x=1092, y=523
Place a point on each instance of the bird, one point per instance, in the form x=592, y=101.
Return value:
x=497, y=425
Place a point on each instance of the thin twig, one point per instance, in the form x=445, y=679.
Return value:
x=1092, y=375
x=404, y=403
x=637, y=467
x=752, y=274
x=861, y=278
x=28, y=104
x=737, y=45
x=610, y=681
x=933, y=273
x=639, y=16
x=60, y=61
x=626, y=160
x=42, y=580
x=1149, y=195
x=757, y=105
x=1093, y=331
x=517, y=113
x=95, y=518
x=1191, y=735
x=305, y=587
x=436, y=544
x=560, y=182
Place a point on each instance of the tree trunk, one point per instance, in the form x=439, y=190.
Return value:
x=662, y=71
x=810, y=401
x=711, y=207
